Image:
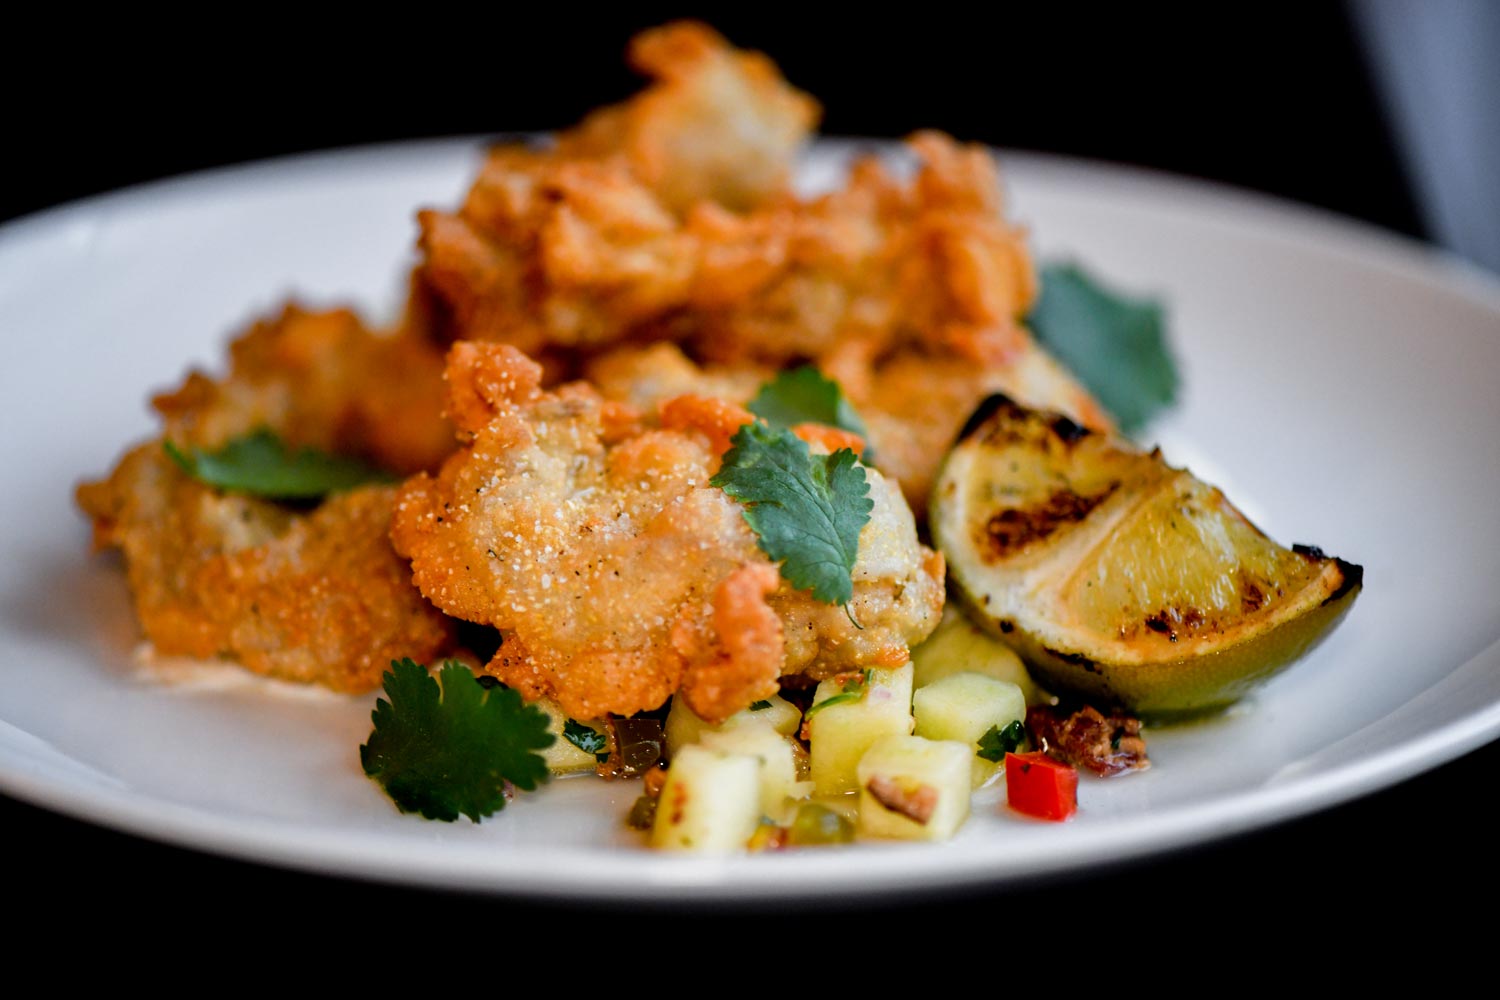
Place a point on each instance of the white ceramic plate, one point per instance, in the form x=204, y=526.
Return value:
x=1340, y=383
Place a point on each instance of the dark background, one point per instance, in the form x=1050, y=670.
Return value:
x=1273, y=98
x=1277, y=100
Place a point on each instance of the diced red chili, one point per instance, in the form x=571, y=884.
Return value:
x=1039, y=786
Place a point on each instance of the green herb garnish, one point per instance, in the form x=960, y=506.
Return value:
x=996, y=743
x=851, y=690
x=806, y=396
x=1115, y=345
x=806, y=510
x=260, y=464
x=759, y=706
x=447, y=746
x=587, y=739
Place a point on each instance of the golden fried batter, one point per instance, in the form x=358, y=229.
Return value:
x=550, y=252
x=301, y=595
x=589, y=534
x=656, y=248
x=882, y=262
x=314, y=597
x=572, y=246
x=646, y=376
x=717, y=124
x=910, y=293
x=553, y=254
x=321, y=380
x=912, y=402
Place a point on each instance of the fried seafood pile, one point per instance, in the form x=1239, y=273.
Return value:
x=587, y=531
x=908, y=291
x=606, y=303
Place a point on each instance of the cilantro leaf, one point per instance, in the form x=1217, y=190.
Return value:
x=260, y=464
x=587, y=739
x=838, y=699
x=806, y=510
x=996, y=743
x=1115, y=345
x=760, y=706
x=851, y=690
x=805, y=396
x=447, y=746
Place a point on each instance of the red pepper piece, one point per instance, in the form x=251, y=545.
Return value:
x=1039, y=786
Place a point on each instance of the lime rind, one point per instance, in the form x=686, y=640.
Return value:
x=1240, y=610
x=1186, y=687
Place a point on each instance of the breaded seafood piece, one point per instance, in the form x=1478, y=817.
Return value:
x=306, y=595
x=644, y=377
x=321, y=380
x=316, y=597
x=912, y=402
x=885, y=262
x=911, y=292
x=549, y=252
x=717, y=124
x=572, y=246
x=588, y=533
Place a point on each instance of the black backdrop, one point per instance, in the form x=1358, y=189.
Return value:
x=1274, y=99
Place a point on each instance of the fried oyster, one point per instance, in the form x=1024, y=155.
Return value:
x=307, y=595
x=716, y=125
x=588, y=533
x=907, y=286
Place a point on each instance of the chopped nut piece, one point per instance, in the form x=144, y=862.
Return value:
x=915, y=802
x=1089, y=739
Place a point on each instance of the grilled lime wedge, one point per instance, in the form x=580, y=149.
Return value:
x=1117, y=577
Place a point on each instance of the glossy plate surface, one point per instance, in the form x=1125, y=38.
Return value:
x=1340, y=385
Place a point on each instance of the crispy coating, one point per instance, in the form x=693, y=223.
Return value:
x=589, y=534
x=573, y=246
x=909, y=292
x=716, y=124
x=929, y=263
x=657, y=249
x=645, y=376
x=313, y=597
x=550, y=252
x=321, y=380
x=307, y=595
x=913, y=402
x=745, y=664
